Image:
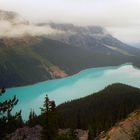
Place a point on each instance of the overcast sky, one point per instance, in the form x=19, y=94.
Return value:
x=119, y=17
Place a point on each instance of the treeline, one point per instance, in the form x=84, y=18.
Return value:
x=99, y=111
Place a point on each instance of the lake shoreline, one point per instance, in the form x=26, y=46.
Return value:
x=34, y=83
x=79, y=85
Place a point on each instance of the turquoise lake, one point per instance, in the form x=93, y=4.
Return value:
x=79, y=85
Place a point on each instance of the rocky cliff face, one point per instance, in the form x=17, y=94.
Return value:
x=123, y=130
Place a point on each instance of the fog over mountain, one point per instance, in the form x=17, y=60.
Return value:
x=120, y=18
x=13, y=25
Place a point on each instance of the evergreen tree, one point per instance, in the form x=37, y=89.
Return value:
x=48, y=113
x=8, y=122
x=101, y=110
x=33, y=119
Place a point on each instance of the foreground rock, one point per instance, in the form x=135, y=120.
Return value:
x=26, y=133
x=34, y=133
x=82, y=134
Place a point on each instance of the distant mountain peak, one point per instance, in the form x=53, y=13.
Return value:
x=93, y=38
x=78, y=29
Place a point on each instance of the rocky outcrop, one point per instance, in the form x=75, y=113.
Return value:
x=124, y=129
x=26, y=133
x=80, y=134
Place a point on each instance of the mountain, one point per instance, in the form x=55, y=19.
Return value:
x=31, y=53
x=93, y=38
x=29, y=60
x=99, y=111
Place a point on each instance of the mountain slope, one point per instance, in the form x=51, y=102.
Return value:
x=20, y=64
x=94, y=38
x=32, y=59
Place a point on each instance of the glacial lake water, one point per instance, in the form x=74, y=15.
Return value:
x=79, y=85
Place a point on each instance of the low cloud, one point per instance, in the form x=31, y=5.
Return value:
x=12, y=28
x=116, y=15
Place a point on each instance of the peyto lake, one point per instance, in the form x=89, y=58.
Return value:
x=79, y=85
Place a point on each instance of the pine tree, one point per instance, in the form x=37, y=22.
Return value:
x=48, y=113
x=33, y=120
x=8, y=122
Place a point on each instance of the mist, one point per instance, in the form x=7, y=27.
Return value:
x=13, y=25
x=9, y=30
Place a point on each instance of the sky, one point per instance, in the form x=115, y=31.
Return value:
x=120, y=17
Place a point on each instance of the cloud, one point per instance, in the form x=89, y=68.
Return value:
x=9, y=30
x=116, y=15
x=13, y=25
x=130, y=34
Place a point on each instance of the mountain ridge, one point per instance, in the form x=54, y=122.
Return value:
x=90, y=37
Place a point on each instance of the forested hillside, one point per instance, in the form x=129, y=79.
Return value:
x=99, y=111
